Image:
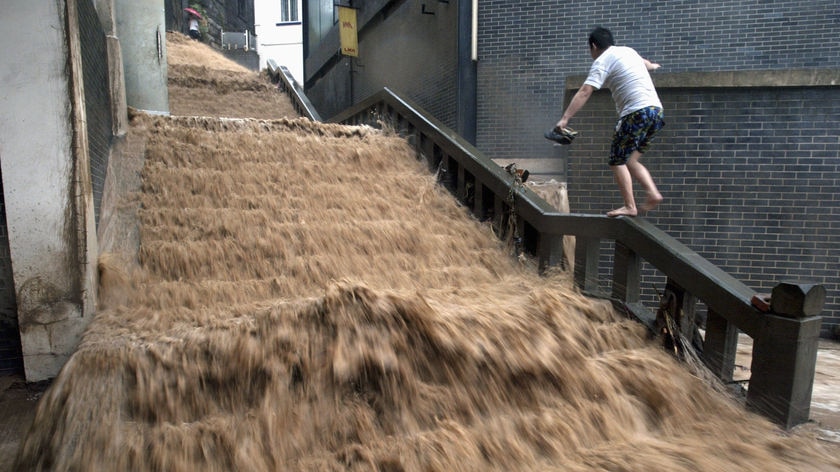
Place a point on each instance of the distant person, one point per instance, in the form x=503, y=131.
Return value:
x=625, y=73
x=194, y=32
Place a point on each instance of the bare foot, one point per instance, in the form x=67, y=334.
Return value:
x=652, y=201
x=623, y=211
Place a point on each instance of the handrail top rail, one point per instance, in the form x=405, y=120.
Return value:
x=297, y=94
x=716, y=288
x=500, y=181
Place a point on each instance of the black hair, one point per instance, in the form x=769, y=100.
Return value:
x=602, y=38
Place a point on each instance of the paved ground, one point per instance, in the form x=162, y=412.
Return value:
x=825, y=398
x=17, y=409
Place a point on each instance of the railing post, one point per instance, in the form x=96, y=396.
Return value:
x=587, y=253
x=426, y=148
x=461, y=189
x=686, y=316
x=478, y=204
x=500, y=216
x=448, y=175
x=627, y=266
x=785, y=354
x=519, y=234
x=720, y=345
x=550, y=251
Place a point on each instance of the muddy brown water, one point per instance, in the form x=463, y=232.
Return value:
x=305, y=297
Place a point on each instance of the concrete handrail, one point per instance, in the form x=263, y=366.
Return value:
x=712, y=285
x=784, y=348
x=288, y=84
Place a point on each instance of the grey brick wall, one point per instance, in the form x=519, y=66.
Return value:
x=751, y=175
x=527, y=48
x=415, y=55
x=748, y=187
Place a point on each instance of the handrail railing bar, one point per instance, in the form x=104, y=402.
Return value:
x=494, y=176
x=300, y=100
x=708, y=282
x=783, y=349
x=716, y=288
x=640, y=236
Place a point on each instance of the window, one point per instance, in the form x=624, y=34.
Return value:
x=289, y=11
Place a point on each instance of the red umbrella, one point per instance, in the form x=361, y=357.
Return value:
x=192, y=11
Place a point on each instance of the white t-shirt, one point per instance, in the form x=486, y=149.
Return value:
x=193, y=24
x=622, y=70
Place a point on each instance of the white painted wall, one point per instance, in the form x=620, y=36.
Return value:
x=36, y=138
x=282, y=42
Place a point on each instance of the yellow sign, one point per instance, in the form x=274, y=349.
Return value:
x=347, y=31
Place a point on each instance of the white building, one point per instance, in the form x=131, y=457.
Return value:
x=279, y=30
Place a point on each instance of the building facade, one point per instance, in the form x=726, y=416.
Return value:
x=748, y=161
x=279, y=29
x=411, y=47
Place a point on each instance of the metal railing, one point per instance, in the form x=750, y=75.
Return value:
x=287, y=83
x=784, y=345
x=235, y=40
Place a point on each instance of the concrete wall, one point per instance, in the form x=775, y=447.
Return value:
x=142, y=34
x=51, y=232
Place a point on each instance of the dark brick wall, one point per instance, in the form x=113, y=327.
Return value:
x=527, y=48
x=400, y=47
x=97, y=98
x=750, y=176
x=99, y=134
x=415, y=55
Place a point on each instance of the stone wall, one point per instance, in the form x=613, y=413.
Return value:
x=220, y=15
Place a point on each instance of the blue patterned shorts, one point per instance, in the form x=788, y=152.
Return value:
x=634, y=132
